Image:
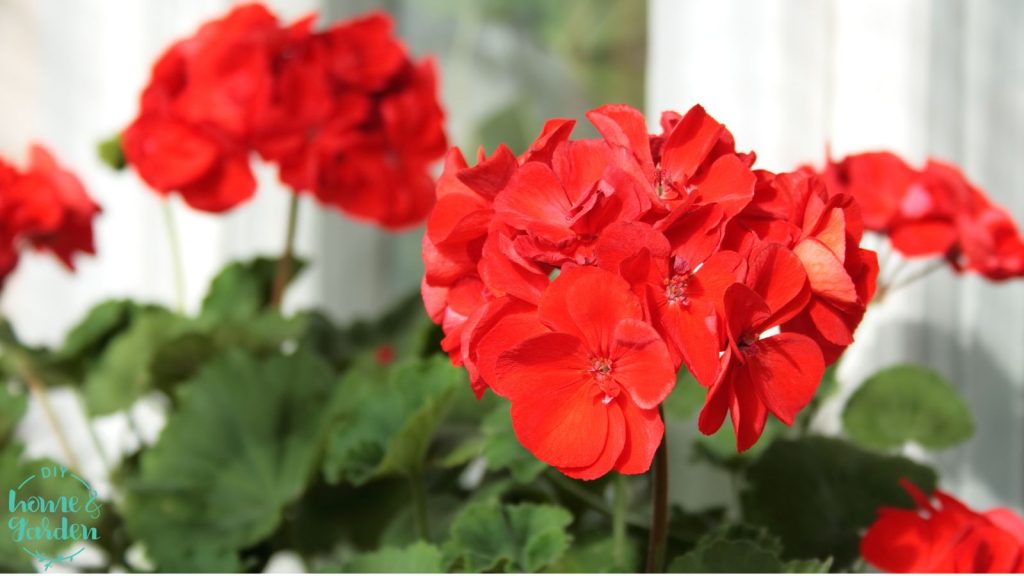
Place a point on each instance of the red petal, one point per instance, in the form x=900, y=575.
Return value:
x=728, y=183
x=554, y=133
x=785, y=371
x=579, y=165
x=923, y=237
x=716, y=405
x=825, y=272
x=777, y=275
x=748, y=412
x=555, y=411
x=644, y=433
x=641, y=363
x=900, y=541
x=612, y=452
x=227, y=186
x=624, y=126
x=688, y=146
x=505, y=273
x=692, y=329
x=490, y=176
x=535, y=201
x=589, y=302
x=506, y=334
x=744, y=309
x=168, y=154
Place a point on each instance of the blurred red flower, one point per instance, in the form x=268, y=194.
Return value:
x=932, y=212
x=944, y=535
x=344, y=113
x=46, y=207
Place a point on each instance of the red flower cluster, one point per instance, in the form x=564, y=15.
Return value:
x=575, y=280
x=344, y=113
x=934, y=212
x=944, y=535
x=45, y=207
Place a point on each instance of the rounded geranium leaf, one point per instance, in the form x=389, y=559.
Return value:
x=907, y=404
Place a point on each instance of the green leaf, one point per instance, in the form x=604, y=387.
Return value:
x=742, y=556
x=111, y=153
x=817, y=494
x=100, y=324
x=417, y=558
x=811, y=566
x=517, y=538
x=12, y=409
x=743, y=549
x=907, y=404
x=242, y=446
x=122, y=374
x=598, y=556
x=386, y=416
x=405, y=327
x=242, y=289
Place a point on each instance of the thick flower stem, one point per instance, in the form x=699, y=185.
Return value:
x=176, y=261
x=419, y=502
x=39, y=393
x=619, y=512
x=284, y=264
x=659, y=510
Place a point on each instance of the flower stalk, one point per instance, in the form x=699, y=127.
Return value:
x=284, y=264
x=176, y=260
x=659, y=509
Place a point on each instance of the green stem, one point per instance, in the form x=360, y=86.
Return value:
x=284, y=264
x=176, y=261
x=659, y=509
x=419, y=502
x=40, y=394
x=619, y=513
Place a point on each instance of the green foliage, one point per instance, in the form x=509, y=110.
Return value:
x=744, y=550
x=242, y=446
x=386, y=416
x=91, y=335
x=817, y=494
x=12, y=408
x=907, y=404
x=686, y=399
x=415, y=558
x=242, y=290
x=516, y=538
x=122, y=375
x=598, y=556
x=498, y=445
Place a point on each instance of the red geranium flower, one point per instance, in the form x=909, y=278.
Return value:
x=48, y=207
x=933, y=212
x=944, y=535
x=599, y=369
x=761, y=373
x=345, y=113
x=45, y=207
x=678, y=222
